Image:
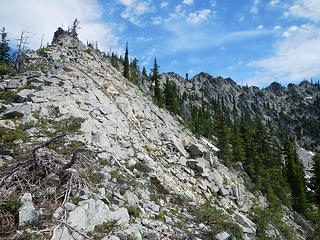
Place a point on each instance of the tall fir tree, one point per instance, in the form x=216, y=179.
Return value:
x=315, y=179
x=4, y=47
x=155, y=77
x=296, y=180
x=222, y=133
x=126, y=66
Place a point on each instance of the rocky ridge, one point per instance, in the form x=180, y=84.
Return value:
x=147, y=177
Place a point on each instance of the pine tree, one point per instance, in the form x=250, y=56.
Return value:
x=295, y=176
x=155, y=80
x=126, y=70
x=75, y=27
x=4, y=47
x=315, y=179
x=134, y=68
x=144, y=72
x=222, y=133
x=4, y=53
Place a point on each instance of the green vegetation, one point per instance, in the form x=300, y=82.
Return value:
x=105, y=227
x=161, y=215
x=11, y=206
x=315, y=180
x=155, y=77
x=8, y=136
x=134, y=211
x=216, y=220
x=126, y=70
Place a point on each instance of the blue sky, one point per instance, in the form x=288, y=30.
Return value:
x=254, y=42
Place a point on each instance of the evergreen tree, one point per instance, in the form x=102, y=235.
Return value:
x=155, y=80
x=4, y=47
x=295, y=176
x=4, y=53
x=134, y=68
x=171, y=98
x=144, y=72
x=222, y=133
x=75, y=27
x=126, y=70
x=315, y=179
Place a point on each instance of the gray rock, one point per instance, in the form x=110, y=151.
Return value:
x=27, y=212
x=58, y=213
x=238, y=166
x=112, y=237
x=245, y=222
x=69, y=206
x=18, y=111
x=195, y=165
x=24, y=95
x=180, y=148
x=151, y=236
x=223, y=192
x=223, y=236
x=121, y=216
x=197, y=150
x=132, y=199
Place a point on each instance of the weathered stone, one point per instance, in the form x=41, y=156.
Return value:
x=18, y=111
x=132, y=198
x=180, y=148
x=223, y=192
x=121, y=216
x=238, y=166
x=223, y=236
x=27, y=212
x=24, y=95
x=69, y=206
x=112, y=237
x=196, y=150
x=245, y=222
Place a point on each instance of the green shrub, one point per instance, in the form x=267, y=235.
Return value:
x=8, y=136
x=105, y=227
x=134, y=211
x=161, y=215
x=216, y=220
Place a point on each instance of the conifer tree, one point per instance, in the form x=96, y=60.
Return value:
x=4, y=47
x=222, y=133
x=126, y=70
x=315, y=179
x=134, y=68
x=4, y=53
x=144, y=72
x=155, y=80
x=295, y=176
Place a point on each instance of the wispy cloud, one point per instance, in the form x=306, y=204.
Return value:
x=164, y=4
x=188, y=2
x=43, y=17
x=255, y=6
x=199, y=16
x=294, y=58
x=134, y=9
x=309, y=9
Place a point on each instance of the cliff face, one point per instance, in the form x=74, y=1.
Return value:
x=86, y=154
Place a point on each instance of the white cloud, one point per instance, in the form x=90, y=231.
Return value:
x=277, y=27
x=295, y=57
x=45, y=16
x=164, y=4
x=260, y=27
x=241, y=18
x=274, y=2
x=134, y=9
x=188, y=2
x=199, y=16
x=309, y=9
x=255, y=6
